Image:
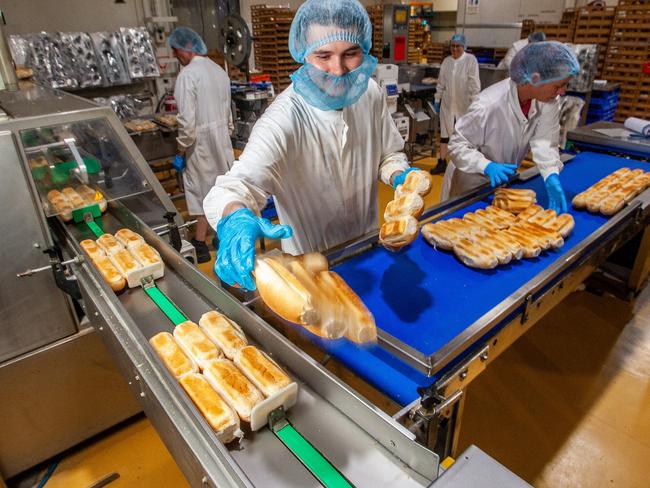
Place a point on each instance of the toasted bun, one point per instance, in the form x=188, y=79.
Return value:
x=529, y=212
x=233, y=387
x=145, y=254
x=283, y=293
x=439, y=236
x=223, y=332
x=529, y=246
x=480, y=220
x=128, y=238
x=503, y=214
x=500, y=250
x=223, y=419
x=563, y=224
x=108, y=271
x=264, y=373
x=396, y=234
x=195, y=343
x=314, y=262
x=611, y=204
x=109, y=244
x=580, y=200
x=543, y=217
x=546, y=237
x=92, y=249
x=475, y=255
x=91, y=197
x=514, y=200
x=416, y=182
x=74, y=197
x=171, y=354
x=515, y=248
x=124, y=262
x=408, y=204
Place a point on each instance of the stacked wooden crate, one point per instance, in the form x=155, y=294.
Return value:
x=594, y=26
x=562, y=32
x=416, y=41
x=628, y=58
x=435, y=52
x=376, y=14
x=271, y=41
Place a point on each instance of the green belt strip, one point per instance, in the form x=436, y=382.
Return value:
x=311, y=458
x=165, y=305
x=97, y=230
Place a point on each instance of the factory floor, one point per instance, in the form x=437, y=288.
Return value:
x=568, y=405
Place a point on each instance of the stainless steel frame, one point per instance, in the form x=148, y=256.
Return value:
x=637, y=148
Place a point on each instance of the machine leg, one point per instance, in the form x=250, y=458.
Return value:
x=641, y=267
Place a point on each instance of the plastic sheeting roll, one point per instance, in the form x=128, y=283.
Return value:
x=638, y=125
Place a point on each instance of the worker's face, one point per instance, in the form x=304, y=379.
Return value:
x=336, y=58
x=184, y=57
x=548, y=91
x=457, y=50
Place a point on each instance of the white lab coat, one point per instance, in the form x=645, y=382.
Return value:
x=458, y=85
x=321, y=167
x=202, y=94
x=496, y=130
x=514, y=49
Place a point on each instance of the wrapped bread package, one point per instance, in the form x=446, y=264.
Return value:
x=410, y=204
x=398, y=233
x=261, y=370
x=176, y=361
x=128, y=238
x=233, y=387
x=415, y=182
x=108, y=271
x=223, y=332
x=219, y=415
x=196, y=344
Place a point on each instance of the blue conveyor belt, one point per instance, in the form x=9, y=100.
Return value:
x=425, y=297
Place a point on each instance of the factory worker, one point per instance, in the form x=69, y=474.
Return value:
x=458, y=85
x=319, y=149
x=518, y=46
x=202, y=94
x=508, y=119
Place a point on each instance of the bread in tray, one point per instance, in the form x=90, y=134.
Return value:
x=415, y=182
x=92, y=249
x=171, y=354
x=92, y=197
x=225, y=333
x=196, y=344
x=109, y=244
x=261, y=370
x=128, y=238
x=124, y=262
x=145, y=254
x=109, y=272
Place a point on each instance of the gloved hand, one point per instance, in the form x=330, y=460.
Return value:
x=237, y=234
x=436, y=107
x=556, y=197
x=499, y=173
x=401, y=178
x=179, y=163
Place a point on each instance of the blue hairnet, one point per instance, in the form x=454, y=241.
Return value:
x=552, y=60
x=537, y=36
x=319, y=22
x=188, y=40
x=460, y=39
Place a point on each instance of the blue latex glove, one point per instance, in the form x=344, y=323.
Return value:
x=179, y=163
x=556, y=197
x=237, y=234
x=401, y=178
x=436, y=107
x=499, y=173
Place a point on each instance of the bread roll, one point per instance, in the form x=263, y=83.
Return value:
x=439, y=236
x=263, y=372
x=530, y=246
x=91, y=196
x=128, y=238
x=515, y=248
x=398, y=233
x=361, y=326
x=92, y=249
x=219, y=415
x=563, y=224
x=475, y=255
x=543, y=217
x=548, y=238
x=60, y=205
x=409, y=204
x=495, y=220
x=480, y=220
x=112, y=276
x=611, y=204
x=462, y=228
x=145, y=254
x=124, y=262
x=416, y=182
x=516, y=194
x=503, y=214
x=109, y=244
x=223, y=332
x=594, y=200
x=580, y=200
x=283, y=293
x=171, y=354
x=314, y=262
x=529, y=212
x=500, y=250
x=196, y=344
x=233, y=387
x=74, y=197
x=514, y=200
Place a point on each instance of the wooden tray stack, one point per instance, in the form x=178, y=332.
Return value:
x=628, y=56
x=435, y=52
x=416, y=41
x=594, y=26
x=376, y=14
x=271, y=40
x=562, y=32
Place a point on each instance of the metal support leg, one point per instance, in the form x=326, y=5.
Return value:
x=641, y=267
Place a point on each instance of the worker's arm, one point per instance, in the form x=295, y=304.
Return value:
x=466, y=140
x=185, y=95
x=393, y=160
x=441, y=84
x=474, y=81
x=545, y=140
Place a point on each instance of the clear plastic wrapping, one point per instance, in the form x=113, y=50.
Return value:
x=20, y=51
x=112, y=60
x=587, y=55
x=80, y=54
x=49, y=61
x=140, y=56
x=125, y=106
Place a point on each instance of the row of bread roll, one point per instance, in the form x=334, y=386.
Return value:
x=117, y=256
x=65, y=201
x=318, y=299
x=139, y=125
x=514, y=200
x=400, y=226
x=169, y=120
x=610, y=194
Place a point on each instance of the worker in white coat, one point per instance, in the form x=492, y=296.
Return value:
x=319, y=149
x=202, y=94
x=458, y=85
x=518, y=45
x=508, y=119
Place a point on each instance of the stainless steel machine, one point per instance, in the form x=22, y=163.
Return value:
x=396, y=32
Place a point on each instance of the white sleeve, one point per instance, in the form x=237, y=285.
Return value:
x=441, y=86
x=545, y=140
x=185, y=95
x=392, y=157
x=507, y=59
x=468, y=136
x=254, y=177
x=474, y=81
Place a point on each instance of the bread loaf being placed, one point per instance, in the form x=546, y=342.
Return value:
x=108, y=271
x=416, y=182
x=219, y=415
x=514, y=200
x=263, y=372
x=283, y=293
x=177, y=362
x=109, y=244
x=398, y=233
x=314, y=262
x=223, y=332
x=475, y=255
x=408, y=204
x=92, y=249
x=233, y=387
x=196, y=344
x=128, y=238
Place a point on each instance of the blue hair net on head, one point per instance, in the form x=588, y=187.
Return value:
x=460, y=39
x=551, y=60
x=188, y=40
x=537, y=36
x=319, y=22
